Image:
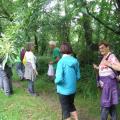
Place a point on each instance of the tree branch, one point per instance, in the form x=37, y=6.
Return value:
x=118, y=4
x=3, y=17
x=104, y=24
x=7, y=15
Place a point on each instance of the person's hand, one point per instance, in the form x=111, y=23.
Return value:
x=50, y=62
x=95, y=66
x=57, y=59
x=35, y=72
x=107, y=63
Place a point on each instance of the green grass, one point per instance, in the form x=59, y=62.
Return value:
x=22, y=106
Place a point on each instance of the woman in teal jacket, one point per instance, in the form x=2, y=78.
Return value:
x=67, y=74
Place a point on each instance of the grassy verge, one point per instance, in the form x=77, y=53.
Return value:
x=22, y=106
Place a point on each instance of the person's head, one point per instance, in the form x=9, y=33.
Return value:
x=66, y=48
x=104, y=48
x=52, y=44
x=22, y=49
x=30, y=46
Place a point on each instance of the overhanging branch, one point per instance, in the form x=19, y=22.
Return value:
x=6, y=14
x=104, y=24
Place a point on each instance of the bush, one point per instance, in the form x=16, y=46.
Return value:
x=42, y=64
x=87, y=85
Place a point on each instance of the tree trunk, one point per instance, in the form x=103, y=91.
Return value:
x=88, y=39
x=0, y=29
x=87, y=30
x=36, y=43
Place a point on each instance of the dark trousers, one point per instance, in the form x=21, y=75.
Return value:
x=67, y=104
x=111, y=110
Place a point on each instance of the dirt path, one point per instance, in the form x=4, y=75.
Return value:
x=52, y=101
x=54, y=104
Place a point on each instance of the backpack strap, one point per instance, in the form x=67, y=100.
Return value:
x=111, y=67
x=108, y=56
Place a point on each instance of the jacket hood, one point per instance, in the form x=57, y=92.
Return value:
x=70, y=61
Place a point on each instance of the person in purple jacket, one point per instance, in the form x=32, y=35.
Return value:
x=108, y=83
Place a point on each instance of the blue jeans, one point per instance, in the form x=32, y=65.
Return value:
x=7, y=85
x=31, y=86
x=1, y=79
x=111, y=110
x=5, y=82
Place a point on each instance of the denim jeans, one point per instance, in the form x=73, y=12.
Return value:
x=31, y=86
x=5, y=82
x=1, y=80
x=7, y=85
x=111, y=110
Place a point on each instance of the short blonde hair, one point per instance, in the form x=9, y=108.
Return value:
x=52, y=43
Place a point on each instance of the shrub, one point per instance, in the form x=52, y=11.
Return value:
x=42, y=64
x=87, y=85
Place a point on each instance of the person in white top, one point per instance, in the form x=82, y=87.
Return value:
x=30, y=67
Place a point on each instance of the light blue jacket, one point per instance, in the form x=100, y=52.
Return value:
x=67, y=74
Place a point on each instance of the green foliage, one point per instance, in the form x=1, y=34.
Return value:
x=42, y=64
x=83, y=23
x=87, y=85
x=43, y=20
x=6, y=47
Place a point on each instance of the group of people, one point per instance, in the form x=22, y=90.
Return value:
x=66, y=74
x=25, y=67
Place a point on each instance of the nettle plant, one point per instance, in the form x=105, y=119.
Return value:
x=7, y=49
